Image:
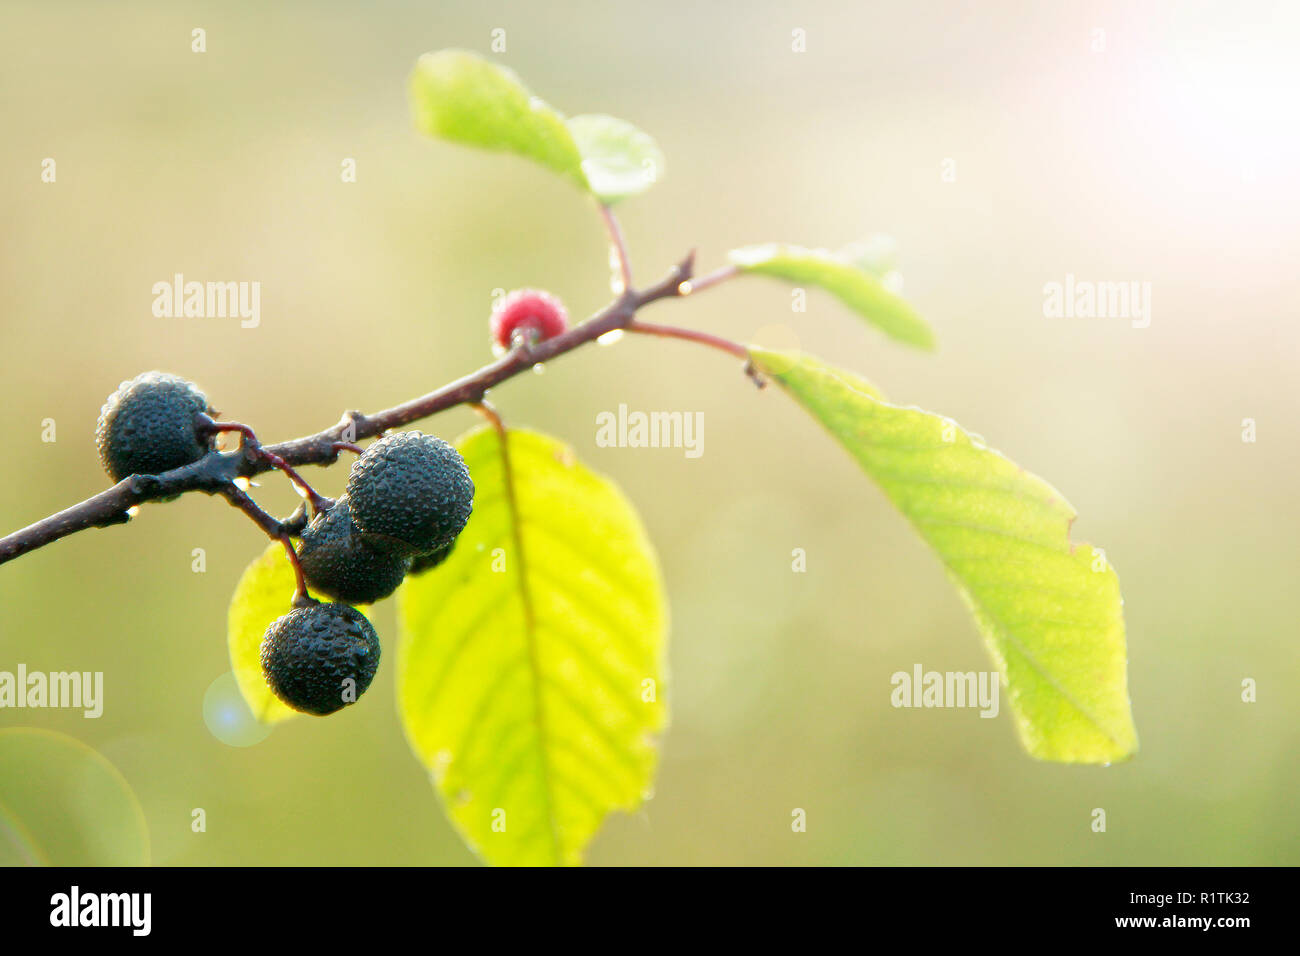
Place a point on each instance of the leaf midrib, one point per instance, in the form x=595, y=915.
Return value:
x=530, y=638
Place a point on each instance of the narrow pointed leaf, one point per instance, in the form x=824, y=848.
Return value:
x=857, y=287
x=1050, y=610
x=618, y=159
x=531, y=662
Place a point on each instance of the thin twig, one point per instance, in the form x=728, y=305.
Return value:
x=710, y=280
x=279, y=530
x=255, y=449
x=690, y=335
x=215, y=472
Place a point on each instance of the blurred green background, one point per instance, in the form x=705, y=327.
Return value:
x=1162, y=150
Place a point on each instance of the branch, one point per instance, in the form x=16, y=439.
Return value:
x=710, y=280
x=215, y=473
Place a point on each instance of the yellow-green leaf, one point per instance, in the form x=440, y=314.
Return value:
x=459, y=96
x=464, y=98
x=531, y=664
x=618, y=159
x=855, y=285
x=1049, y=610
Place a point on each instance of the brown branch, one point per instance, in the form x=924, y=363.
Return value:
x=216, y=472
x=710, y=280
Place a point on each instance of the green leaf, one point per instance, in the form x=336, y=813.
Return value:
x=618, y=159
x=531, y=664
x=1050, y=611
x=461, y=97
x=263, y=594
x=854, y=285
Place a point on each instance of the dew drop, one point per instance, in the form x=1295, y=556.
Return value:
x=610, y=337
x=539, y=368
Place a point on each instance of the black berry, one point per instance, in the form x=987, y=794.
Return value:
x=411, y=487
x=340, y=560
x=320, y=658
x=149, y=426
x=431, y=559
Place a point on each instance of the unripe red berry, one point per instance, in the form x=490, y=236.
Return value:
x=530, y=312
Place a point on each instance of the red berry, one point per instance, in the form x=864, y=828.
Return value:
x=531, y=312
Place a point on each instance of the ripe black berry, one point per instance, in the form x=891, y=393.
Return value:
x=148, y=426
x=319, y=658
x=411, y=487
x=340, y=560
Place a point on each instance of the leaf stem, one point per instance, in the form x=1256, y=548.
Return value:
x=618, y=246
x=690, y=335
